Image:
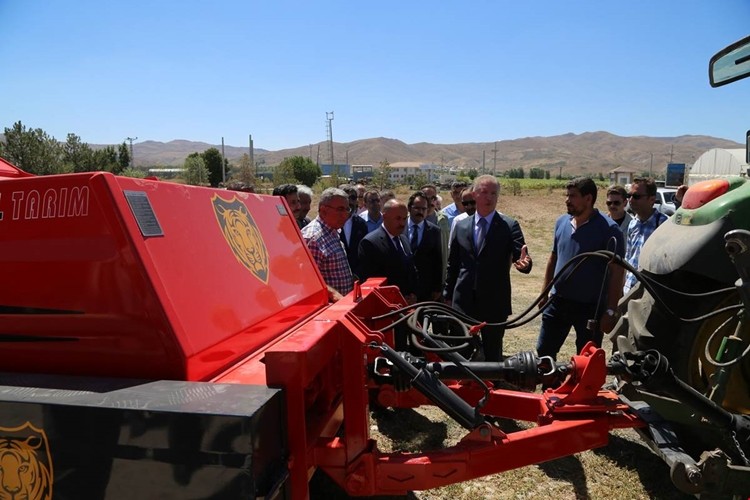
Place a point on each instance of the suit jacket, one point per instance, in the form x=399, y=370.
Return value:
x=359, y=231
x=478, y=280
x=378, y=257
x=428, y=258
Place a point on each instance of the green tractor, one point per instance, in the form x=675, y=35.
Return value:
x=691, y=310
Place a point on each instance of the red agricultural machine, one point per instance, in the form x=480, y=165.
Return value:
x=169, y=341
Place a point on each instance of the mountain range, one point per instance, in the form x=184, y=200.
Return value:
x=585, y=153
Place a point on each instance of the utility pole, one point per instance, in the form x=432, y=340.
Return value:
x=494, y=160
x=483, y=167
x=671, y=152
x=651, y=167
x=223, y=163
x=329, y=119
x=132, y=158
x=251, y=154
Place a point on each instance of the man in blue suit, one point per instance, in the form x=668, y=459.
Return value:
x=483, y=249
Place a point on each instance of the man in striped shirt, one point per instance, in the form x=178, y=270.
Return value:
x=323, y=240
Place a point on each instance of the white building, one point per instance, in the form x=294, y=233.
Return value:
x=718, y=163
x=400, y=171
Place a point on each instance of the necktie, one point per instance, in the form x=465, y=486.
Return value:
x=399, y=248
x=414, y=237
x=482, y=223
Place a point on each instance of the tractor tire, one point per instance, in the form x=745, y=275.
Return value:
x=648, y=324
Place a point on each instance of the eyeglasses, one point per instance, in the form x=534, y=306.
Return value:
x=340, y=210
x=637, y=196
x=468, y=203
x=614, y=203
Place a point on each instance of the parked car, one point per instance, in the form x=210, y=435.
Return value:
x=665, y=200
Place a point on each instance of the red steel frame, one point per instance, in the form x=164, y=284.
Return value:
x=323, y=368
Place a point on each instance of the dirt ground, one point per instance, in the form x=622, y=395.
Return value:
x=624, y=469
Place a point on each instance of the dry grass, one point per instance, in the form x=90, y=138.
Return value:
x=625, y=469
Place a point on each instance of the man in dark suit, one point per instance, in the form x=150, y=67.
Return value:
x=426, y=246
x=353, y=231
x=482, y=251
x=385, y=252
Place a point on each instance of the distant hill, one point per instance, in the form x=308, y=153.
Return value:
x=586, y=153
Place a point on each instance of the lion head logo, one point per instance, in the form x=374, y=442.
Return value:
x=242, y=235
x=25, y=464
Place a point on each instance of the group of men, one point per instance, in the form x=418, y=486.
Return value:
x=463, y=253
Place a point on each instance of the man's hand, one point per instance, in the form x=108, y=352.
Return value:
x=524, y=262
x=680, y=193
x=334, y=295
x=543, y=301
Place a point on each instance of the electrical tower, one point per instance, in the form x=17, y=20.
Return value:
x=132, y=158
x=329, y=130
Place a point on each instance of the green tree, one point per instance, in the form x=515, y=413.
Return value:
x=303, y=170
x=244, y=171
x=123, y=159
x=536, y=173
x=472, y=173
x=133, y=172
x=33, y=150
x=380, y=175
x=78, y=156
x=215, y=164
x=283, y=174
x=196, y=173
x=106, y=159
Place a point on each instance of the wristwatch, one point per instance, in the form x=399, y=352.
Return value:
x=611, y=313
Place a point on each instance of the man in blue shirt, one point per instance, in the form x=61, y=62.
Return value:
x=455, y=208
x=642, y=197
x=589, y=291
x=372, y=216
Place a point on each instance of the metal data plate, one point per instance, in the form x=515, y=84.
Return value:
x=144, y=213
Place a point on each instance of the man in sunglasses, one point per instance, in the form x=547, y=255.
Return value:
x=455, y=208
x=642, y=197
x=469, y=205
x=616, y=201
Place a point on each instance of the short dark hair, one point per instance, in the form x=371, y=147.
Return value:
x=348, y=189
x=428, y=186
x=459, y=184
x=584, y=185
x=414, y=196
x=284, y=189
x=617, y=189
x=648, y=182
x=369, y=194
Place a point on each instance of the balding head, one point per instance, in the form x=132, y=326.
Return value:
x=395, y=214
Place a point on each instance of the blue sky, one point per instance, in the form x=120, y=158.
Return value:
x=418, y=71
